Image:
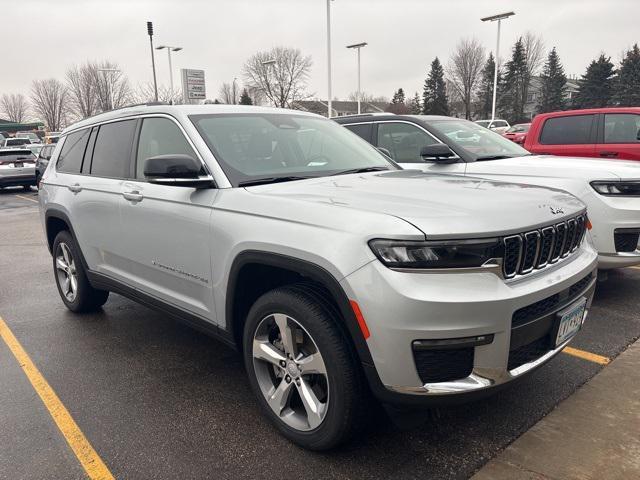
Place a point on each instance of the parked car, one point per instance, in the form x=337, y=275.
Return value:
x=517, y=133
x=612, y=132
x=43, y=160
x=30, y=135
x=17, y=168
x=498, y=126
x=611, y=189
x=51, y=137
x=323, y=262
x=15, y=142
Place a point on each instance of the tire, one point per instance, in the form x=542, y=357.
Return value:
x=339, y=394
x=69, y=272
x=26, y=188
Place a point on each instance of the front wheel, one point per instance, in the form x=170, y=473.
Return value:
x=73, y=285
x=302, y=368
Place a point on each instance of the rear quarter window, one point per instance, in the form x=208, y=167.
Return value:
x=70, y=158
x=569, y=130
x=112, y=150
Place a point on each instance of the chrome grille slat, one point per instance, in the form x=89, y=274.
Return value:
x=536, y=249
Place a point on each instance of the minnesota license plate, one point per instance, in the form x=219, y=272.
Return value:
x=570, y=321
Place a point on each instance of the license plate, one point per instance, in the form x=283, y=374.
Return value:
x=570, y=321
x=18, y=164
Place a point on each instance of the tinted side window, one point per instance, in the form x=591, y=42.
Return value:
x=363, y=130
x=404, y=141
x=70, y=158
x=112, y=151
x=160, y=136
x=621, y=128
x=570, y=130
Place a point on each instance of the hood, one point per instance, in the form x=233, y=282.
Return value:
x=559, y=167
x=441, y=206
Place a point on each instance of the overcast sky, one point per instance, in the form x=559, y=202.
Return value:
x=43, y=38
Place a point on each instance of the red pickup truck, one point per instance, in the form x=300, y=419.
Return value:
x=599, y=132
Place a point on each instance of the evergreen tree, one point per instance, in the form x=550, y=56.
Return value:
x=553, y=83
x=596, y=85
x=398, y=97
x=415, y=107
x=516, y=81
x=485, y=92
x=434, y=97
x=245, y=99
x=627, y=85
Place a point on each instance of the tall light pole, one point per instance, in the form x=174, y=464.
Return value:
x=358, y=46
x=109, y=84
x=329, y=109
x=169, y=50
x=271, y=63
x=153, y=59
x=493, y=18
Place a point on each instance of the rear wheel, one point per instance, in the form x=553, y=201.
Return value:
x=302, y=369
x=73, y=285
x=26, y=188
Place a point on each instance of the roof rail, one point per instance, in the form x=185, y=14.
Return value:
x=371, y=114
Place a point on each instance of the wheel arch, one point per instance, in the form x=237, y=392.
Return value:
x=255, y=266
x=56, y=221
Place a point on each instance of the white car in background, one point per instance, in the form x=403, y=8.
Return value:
x=609, y=188
x=498, y=125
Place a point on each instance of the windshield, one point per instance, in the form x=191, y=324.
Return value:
x=520, y=128
x=256, y=147
x=478, y=141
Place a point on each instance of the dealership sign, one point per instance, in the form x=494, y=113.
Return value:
x=193, y=87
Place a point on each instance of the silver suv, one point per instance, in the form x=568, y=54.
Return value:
x=334, y=272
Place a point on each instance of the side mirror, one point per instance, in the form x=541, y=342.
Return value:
x=438, y=152
x=176, y=170
x=384, y=151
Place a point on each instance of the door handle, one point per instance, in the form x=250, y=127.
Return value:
x=608, y=154
x=75, y=188
x=133, y=196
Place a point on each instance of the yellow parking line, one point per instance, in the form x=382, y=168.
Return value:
x=26, y=198
x=592, y=357
x=89, y=459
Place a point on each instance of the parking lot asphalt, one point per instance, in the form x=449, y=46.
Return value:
x=157, y=399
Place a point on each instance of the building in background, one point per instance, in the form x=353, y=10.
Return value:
x=339, y=108
x=534, y=95
x=12, y=127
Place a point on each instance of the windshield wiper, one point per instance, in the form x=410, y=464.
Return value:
x=492, y=157
x=361, y=170
x=266, y=180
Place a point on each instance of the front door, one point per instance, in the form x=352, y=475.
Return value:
x=167, y=228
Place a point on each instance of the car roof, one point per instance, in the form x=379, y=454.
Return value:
x=586, y=111
x=180, y=110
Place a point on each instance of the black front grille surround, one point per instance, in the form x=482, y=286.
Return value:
x=528, y=251
x=443, y=365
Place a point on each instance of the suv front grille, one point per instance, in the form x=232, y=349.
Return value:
x=538, y=248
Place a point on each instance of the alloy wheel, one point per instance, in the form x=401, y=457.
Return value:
x=291, y=372
x=66, y=272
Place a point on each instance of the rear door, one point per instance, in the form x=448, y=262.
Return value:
x=568, y=135
x=619, y=136
x=166, y=229
x=106, y=166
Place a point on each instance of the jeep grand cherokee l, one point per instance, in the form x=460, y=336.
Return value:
x=334, y=272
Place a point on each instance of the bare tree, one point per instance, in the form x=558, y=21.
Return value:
x=112, y=89
x=145, y=93
x=229, y=93
x=534, y=52
x=463, y=71
x=49, y=100
x=82, y=90
x=14, y=107
x=281, y=73
x=367, y=97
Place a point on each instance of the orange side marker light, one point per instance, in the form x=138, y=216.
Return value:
x=363, y=325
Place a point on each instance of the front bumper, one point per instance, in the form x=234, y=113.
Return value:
x=400, y=308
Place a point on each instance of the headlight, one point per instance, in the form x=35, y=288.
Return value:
x=436, y=254
x=617, y=188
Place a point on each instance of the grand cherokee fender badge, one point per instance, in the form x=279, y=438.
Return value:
x=179, y=271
